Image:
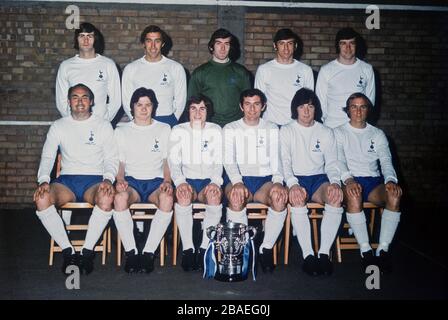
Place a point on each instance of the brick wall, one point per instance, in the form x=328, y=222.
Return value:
x=407, y=53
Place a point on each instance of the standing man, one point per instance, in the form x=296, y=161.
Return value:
x=89, y=67
x=338, y=79
x=252, y=163
x=360, y=147
x=155, y=71
x=281, y=77
x=89, y=166
x=221, y=79
x=310, y=164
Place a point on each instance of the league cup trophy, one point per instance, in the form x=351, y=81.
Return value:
x=234, y=244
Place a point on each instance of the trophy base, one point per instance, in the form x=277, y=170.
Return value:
x=229, y=278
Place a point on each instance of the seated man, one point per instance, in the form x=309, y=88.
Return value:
x=88, y=169
x=143, y=176
x=252, y=164
x=360, y=147
x=196, y=169
x=309, y=158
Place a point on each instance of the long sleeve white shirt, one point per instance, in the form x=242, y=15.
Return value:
x=87, y=148
x=166, y=78
x=336, y=82
x=143, y=149
x=360, y=150
x=100, y=74
x=252, y=151
x=307, y=151
x=279, y=82
x=196, y=153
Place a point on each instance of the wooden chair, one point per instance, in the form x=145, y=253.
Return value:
x=135, y=209
x=342, y=243
x=105, y=244
x=255, y=211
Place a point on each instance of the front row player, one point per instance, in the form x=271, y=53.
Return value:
x=360, y=147
x=252, y=163
x=143, y=176
x=196, y=169
x=309, y=156
x=88, y=169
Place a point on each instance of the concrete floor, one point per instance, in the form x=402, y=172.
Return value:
x=420, y=272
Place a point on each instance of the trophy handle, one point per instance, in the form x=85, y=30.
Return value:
x=211, y=232
x=252, y=232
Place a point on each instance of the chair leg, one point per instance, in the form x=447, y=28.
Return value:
x=315, y=235
x=338, y=249
x=274, y=252
x=287, y=234
x=118, y=250
x=162, y=252
x=175, y=235
x=104, y=247
x=50, y=262
x=109, y=240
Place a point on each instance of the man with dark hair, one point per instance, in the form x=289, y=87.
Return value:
x=143, y=176
x=94, y=70
x=361, y=147
x=196, y=169
x=281, y=77
x=252, y=164
x=221, y=79
x=165, y=76
x=89, y=166
x=309, y=158
x=343, y=76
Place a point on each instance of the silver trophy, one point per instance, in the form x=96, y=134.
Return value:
x=233, y=242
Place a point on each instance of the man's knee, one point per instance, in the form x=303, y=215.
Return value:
x=353, y=202
x=43, y=202
x=121, y=200
x=213, y=199
x=165, y=201
x=104, y=202
x=276, y=203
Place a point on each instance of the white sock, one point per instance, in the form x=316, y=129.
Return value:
x=272, y=228
x=329, y=227
x=125, y=227
x=358, y=224
x=55, y=227
x=184, y=220
x=212, y=218
x=237, y=216
x=389, y=224
x=159, y=224
x=301, y=223
x=97, y=222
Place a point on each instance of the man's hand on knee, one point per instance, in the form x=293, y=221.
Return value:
x=297, y=196
x=41, y=190
x=334, y=194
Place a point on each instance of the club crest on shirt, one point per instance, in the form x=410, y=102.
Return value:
x=156, y=146
x=101, y=76
x=297, y=82
x=164, y=81
x=261, y=142
x=361, y=83
x=372, y=146
x=91, y=139
x=204, y=145
x=317, y=146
